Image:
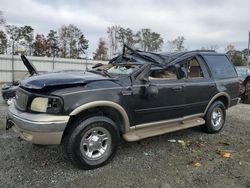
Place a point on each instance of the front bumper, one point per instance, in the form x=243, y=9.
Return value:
x=8, y=92
x=44, y=129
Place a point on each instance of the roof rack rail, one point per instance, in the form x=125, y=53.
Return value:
x=192, y=51
x=204, y=50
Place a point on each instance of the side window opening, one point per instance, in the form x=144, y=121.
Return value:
x=191, y=70
x=164, y=74
x=194, y=70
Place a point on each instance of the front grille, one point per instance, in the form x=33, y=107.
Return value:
x=21, y=100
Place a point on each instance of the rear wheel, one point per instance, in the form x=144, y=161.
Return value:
x=247, y=101
x=215, y=118
x=246, y=98
x=91, y=143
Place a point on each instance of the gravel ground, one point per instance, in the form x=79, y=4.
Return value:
x=153, y=162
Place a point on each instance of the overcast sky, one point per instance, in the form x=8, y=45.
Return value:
x=201, y=22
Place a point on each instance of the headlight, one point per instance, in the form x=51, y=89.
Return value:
x=39, y=104
x=49, y=105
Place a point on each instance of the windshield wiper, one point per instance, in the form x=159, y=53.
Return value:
x=101, y=72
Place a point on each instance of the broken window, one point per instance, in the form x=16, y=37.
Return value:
x=191, y=70
x=164, y=74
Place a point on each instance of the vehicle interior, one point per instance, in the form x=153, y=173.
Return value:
x=188, y=70
x=161, y=74
x=191, y=69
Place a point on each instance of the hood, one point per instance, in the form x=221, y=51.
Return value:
x=31, y=69
x=64, y=78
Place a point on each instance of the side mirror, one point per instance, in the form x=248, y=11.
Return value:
x=151, y=91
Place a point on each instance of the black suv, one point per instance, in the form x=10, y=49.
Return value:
x=137, y=95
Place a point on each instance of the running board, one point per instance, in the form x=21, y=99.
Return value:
x=159, y=128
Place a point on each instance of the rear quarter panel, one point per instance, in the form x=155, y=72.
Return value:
x=229, y=86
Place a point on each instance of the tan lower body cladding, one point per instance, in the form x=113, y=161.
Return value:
x=159, y=128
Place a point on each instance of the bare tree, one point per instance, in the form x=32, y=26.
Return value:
x=211, y=47
x=3, y=42
x=102, y=51
x=2, y=19
x=230, y=50
x=150, y=41
x=145, y=38
x=27, y=34
x=113, y=39
x=14, y=33
x=74, y=35
x=127, y=36
x=177, y=44
x=52, y=41
x=40, y=45
x=72, y=40
x=63, y=36
x=234, y=55
x=83, y=45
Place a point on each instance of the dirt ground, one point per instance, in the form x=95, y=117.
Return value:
x=198, y=160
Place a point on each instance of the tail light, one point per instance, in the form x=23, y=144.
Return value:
x=239, y=87
x=248, y=86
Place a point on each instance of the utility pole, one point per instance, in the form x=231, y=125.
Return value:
x=86, y=65
x=53, y=60
x=12, y=61
x=248, y=58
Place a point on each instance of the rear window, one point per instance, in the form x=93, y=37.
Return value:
x=220, y=66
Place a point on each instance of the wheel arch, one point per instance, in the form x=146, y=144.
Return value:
x=111, y=109
x=223, y=97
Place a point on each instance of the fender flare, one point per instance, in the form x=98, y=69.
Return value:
x=111, y=104
x=224, y=94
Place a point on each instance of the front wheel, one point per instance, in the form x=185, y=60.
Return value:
x=215, y=118
x=91, y=143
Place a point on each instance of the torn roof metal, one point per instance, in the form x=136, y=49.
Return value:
x=158, y=59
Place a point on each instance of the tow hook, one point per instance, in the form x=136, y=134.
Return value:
x=9, y=123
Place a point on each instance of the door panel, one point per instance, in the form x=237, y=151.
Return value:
x=199, y=87
x=168, y=104
x=197, y=95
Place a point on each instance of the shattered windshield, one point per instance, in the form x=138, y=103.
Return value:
x=115, y=69
x=122, y=69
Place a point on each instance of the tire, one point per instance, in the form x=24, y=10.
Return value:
x=91, y=143
x=248, y=98
x=215, y=118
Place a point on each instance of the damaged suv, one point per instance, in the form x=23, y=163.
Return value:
x=137, y=95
